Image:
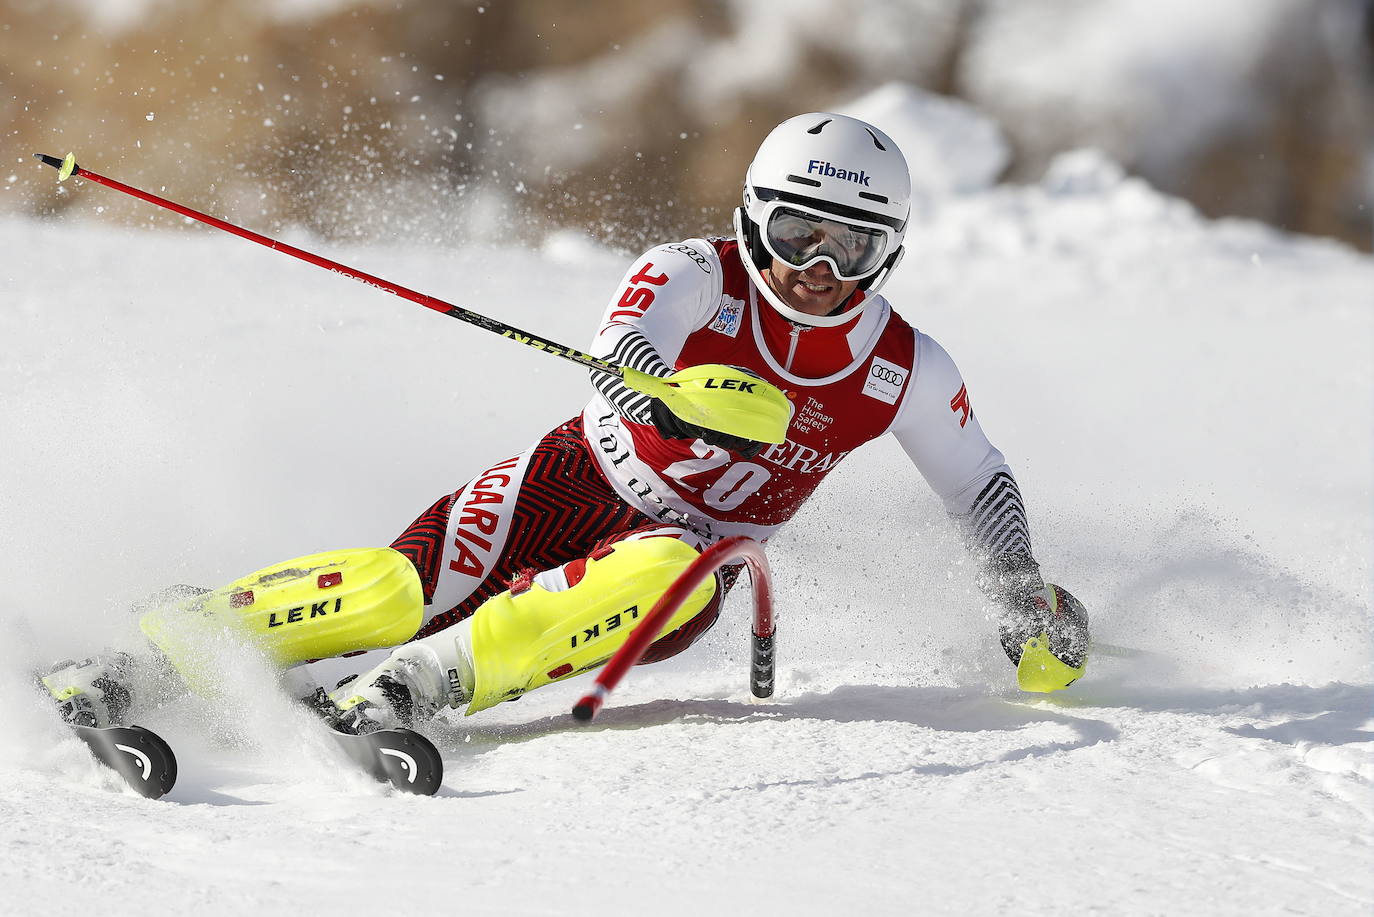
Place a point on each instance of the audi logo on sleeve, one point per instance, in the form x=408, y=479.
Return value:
x=885, y=380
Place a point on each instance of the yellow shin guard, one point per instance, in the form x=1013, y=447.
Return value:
x=312, y=607
x=524, y=640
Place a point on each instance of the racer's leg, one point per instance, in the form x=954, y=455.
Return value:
x=675, y=641
x=307, y=608
x=546, y=627
x=539, y=509
x=536, y=511
x=603, y=564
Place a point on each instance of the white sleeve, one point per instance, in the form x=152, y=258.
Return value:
x=940, y=432
x=668, y=293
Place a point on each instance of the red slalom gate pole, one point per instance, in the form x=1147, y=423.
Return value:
x=68, y=167
x=725, y=551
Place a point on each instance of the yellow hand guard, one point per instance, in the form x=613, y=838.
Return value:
x=1040, y=672
x=720, y=398
x=521, y=641
x=312, y=607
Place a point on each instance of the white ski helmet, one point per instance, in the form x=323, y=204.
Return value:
x=825, y=187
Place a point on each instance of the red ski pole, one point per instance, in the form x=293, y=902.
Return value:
x=725, y=551
x=66, y=168
x=693, y=394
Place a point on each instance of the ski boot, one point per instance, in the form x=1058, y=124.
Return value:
x=408, y=688
x=94, y=692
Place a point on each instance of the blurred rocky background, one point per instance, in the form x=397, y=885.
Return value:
x=459, y=121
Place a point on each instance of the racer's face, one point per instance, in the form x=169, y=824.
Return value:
x=815, y=291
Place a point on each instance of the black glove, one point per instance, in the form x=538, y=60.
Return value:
x=671, y=426
x=1052, y=611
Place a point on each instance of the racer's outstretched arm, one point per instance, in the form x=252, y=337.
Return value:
x=939, y=431
x=941, y=434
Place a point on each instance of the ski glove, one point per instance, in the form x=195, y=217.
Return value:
x=1045, y=636
x=671, y=426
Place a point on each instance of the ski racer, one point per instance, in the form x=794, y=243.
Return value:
x=536, y=569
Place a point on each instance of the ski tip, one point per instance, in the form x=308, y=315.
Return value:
x=401, y=757
x=65, y=167
x=146, y=762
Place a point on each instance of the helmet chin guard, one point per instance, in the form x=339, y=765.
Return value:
x=839, y=168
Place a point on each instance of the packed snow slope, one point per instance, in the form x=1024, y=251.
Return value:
x=1186, y=404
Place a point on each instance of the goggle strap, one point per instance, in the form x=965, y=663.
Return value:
x=843, y=211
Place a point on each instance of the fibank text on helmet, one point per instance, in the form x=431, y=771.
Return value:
x=821, y=167
x=887, y=375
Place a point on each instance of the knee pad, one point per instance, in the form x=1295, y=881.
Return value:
x=313, y=607
x=532, y=635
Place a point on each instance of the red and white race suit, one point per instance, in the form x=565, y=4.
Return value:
x=692, y=302
x=609, y=474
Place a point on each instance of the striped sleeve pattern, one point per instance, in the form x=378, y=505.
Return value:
x=997, y=520
x=631, y=349
x=999, y=534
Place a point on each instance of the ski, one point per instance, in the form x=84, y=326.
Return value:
x=401, y=757
x=137, y=754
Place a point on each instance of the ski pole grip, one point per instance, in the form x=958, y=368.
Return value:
x=726, y=551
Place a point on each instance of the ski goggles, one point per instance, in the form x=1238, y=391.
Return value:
x=801, y=238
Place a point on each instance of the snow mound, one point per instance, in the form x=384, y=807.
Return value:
x=949, y=145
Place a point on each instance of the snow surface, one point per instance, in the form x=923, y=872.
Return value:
x=1187, y=406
